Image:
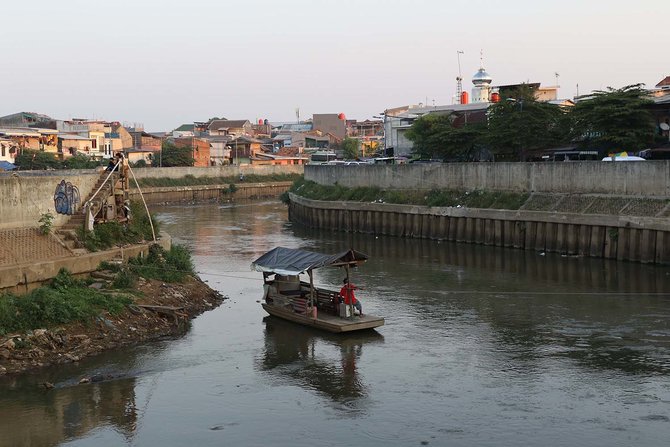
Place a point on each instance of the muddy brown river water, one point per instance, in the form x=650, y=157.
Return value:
x=482, y=346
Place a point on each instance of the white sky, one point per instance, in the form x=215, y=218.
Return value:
x=168, y=62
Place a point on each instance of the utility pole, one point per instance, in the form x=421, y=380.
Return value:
x=459, y=79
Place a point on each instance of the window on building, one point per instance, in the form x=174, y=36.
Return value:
x=94, y=144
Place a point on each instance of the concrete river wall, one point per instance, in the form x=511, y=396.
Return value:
x=639, y=229
x=26, y=195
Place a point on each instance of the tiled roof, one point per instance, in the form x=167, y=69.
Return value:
x=665, y=82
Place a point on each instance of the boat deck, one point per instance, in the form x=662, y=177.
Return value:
x=325, y=321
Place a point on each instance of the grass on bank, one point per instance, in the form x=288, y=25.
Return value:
x=68, y=300
x=65, y=300
x=109, y=234
x=172, y=266
x=191, y=180
x=435, y=197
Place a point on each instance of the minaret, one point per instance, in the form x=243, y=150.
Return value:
x=481, y=91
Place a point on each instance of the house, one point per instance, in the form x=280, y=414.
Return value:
x=316, y=139
x=229, y=127
x=109, y=137
x=32, y=139
x=263, y=158
x=219, y=149
x=184, y=131
x=8, y=150
x=201, y=150
x=150, y=142
x=141, y=155
x=332, y=123
x=27, y=119
x=70, y=144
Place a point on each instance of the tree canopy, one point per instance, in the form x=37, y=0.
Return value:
x=38, y=160
x=435, y=137
x=351, y=148
x=176, y=156
x=518, y=125
x=615, y=119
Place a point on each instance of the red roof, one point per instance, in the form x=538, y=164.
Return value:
x=664, y=82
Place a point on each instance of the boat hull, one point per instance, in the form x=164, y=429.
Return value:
x=328, y=323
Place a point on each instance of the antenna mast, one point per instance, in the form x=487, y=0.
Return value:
x=459, y=79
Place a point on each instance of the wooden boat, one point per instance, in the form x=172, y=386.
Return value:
x=286, y=296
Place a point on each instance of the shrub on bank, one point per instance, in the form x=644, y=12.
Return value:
x=172, y=266
x=468, y=199
x=191, y=180
x=109, y=234
x=65, y=300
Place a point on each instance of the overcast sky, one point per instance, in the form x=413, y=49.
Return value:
x=168, y=62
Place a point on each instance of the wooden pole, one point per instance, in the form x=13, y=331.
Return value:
x=311, y=290
x=351, y=302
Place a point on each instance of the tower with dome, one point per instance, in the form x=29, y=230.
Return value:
x=481, y=92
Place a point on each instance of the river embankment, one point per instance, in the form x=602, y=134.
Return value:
x=138, y=310
x=610, y=210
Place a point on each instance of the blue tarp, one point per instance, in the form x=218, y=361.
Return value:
x=289, y=261
x=6, y=166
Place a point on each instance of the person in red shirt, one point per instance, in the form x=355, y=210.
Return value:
x=347, y=294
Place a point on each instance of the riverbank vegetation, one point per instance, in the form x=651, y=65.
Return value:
x=469, y=199
x=109, y=234
x=520, y=128
x=191, y=180
x=67, y=299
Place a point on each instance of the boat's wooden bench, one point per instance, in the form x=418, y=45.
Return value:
x=299, y=305
x=326, y=301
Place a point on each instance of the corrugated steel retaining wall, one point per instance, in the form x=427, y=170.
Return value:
x=642, y=239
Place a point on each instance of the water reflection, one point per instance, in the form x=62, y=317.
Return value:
x=599, y=313
x=64, y=413
x=308, y=358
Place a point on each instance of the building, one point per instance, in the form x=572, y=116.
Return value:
x=71, y=144
x=8, y=151
x=27, y=119
x=229, y=127
x=184, y=131
x=398, y=121
x=201, y=150
x=332, y=123
x=32, y=139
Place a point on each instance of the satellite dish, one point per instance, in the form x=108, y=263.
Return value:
x=665, y=126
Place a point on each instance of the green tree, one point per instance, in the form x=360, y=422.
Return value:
x=435, y=136
x=176, y=156
x=80, y=161
x=519, y=124
x=615, y=119
x=29, y=160
x=351, y=148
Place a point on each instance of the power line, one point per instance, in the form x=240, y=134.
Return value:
x=447, y=292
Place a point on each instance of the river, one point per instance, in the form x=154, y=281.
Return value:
x=482, y=346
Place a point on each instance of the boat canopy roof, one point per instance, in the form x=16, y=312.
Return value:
x=291, y=261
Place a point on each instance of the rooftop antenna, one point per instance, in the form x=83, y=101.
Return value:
x=556, y=75
x=297, y=114
x=459, y=79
